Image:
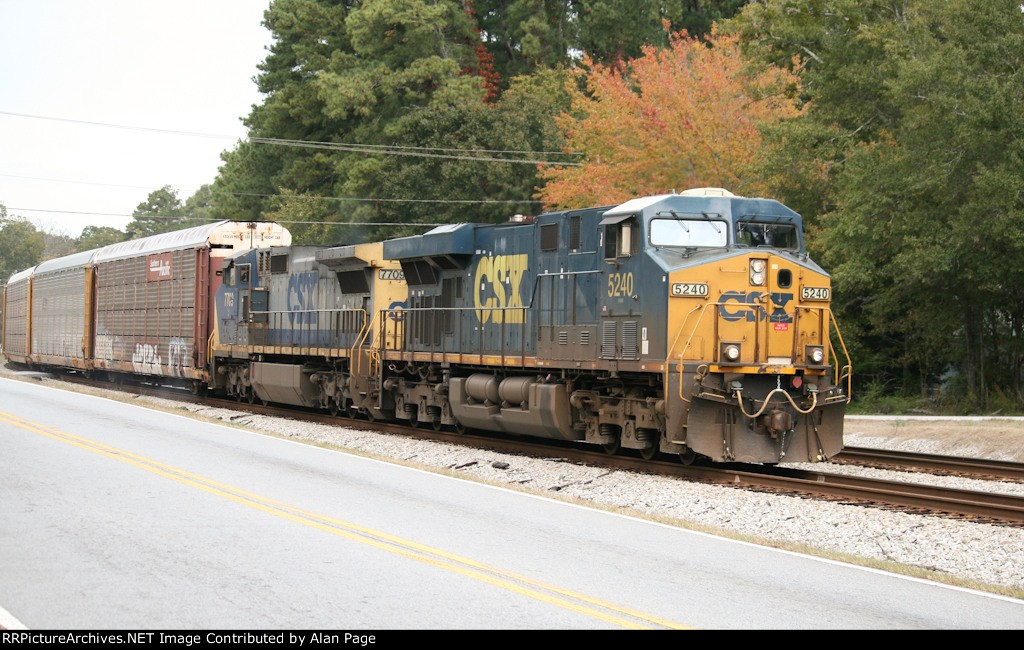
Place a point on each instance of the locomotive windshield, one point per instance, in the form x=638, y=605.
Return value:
x=774, y=235
x=690, y=233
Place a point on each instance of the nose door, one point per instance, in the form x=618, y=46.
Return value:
x=781, y=308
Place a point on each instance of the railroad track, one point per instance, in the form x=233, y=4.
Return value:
x=995, y=470
x=963, y=504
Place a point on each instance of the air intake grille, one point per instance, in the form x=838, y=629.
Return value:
x=629, y=339
x=608, y=335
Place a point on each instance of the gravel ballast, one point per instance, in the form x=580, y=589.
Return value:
x=981, y=555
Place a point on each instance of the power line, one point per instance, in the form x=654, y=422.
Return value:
x=279, y=195
x=193, y=219
x=391, y=150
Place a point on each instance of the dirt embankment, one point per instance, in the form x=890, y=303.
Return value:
x=1001, y=439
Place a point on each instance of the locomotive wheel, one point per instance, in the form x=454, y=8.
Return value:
x=687, y=456
x=648, y=453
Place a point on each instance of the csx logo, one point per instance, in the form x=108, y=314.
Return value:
x=751, y=307
x=498, y=289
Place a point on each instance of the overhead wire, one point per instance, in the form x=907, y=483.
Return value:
x=393, y=150
x=210, y=219
x=397, y=150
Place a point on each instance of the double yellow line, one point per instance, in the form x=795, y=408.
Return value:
x=523, y=585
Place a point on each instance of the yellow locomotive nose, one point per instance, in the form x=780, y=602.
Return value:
x=759, y=313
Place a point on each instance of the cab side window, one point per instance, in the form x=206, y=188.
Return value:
x=620, y=239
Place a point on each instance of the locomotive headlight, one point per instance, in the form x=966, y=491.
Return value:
x=731, y=352
x=757, y=269
x=815, y=354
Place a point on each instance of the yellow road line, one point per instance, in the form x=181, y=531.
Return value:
x=442, y=559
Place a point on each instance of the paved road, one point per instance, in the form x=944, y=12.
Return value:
x=116, y=516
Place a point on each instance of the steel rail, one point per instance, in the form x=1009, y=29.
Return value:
x=948, y=465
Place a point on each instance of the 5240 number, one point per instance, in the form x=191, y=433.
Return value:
x=620, y=284
x=699, y=289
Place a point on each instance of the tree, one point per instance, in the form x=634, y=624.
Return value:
x=57, y=245
x=911, y=149
x=680, y=117
x=162, y=211
x=21, y=245
x=611, y=31
x=398, y=97
x=98, y=237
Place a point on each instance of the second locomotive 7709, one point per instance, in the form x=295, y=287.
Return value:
x=693, y=324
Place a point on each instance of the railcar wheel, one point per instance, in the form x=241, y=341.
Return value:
x=687, y=456
x=333, y=407
x=612, y=448
x=460, y=428
x=436, y=423
x=350, y=409
x=648, y=453
x=369, y=415
x=251, y=396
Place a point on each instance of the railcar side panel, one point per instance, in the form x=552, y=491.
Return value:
x=62, y=311
x=17, y=317
x=146, y=313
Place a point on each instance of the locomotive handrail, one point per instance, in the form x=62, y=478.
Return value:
x=847, y=371
x=360, y=339
x=306, y=326
x=404, y=344
x=842, y=374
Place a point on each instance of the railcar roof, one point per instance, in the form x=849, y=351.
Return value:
x=67, y=262
x=20, y=275
x=211, y=233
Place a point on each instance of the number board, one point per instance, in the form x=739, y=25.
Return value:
x=687, y=289
x=815, y=293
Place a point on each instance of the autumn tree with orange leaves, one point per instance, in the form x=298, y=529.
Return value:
x=686, y=116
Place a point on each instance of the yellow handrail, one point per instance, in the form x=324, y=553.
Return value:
x=360, y=339
x=844, y=374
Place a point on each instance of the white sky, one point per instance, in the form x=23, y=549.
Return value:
x=180, y=65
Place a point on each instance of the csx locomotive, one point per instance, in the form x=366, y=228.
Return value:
x=692, y=324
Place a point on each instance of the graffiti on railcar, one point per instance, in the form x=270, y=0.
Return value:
x=146, y=359
x=177, y=355
x=105, y=344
